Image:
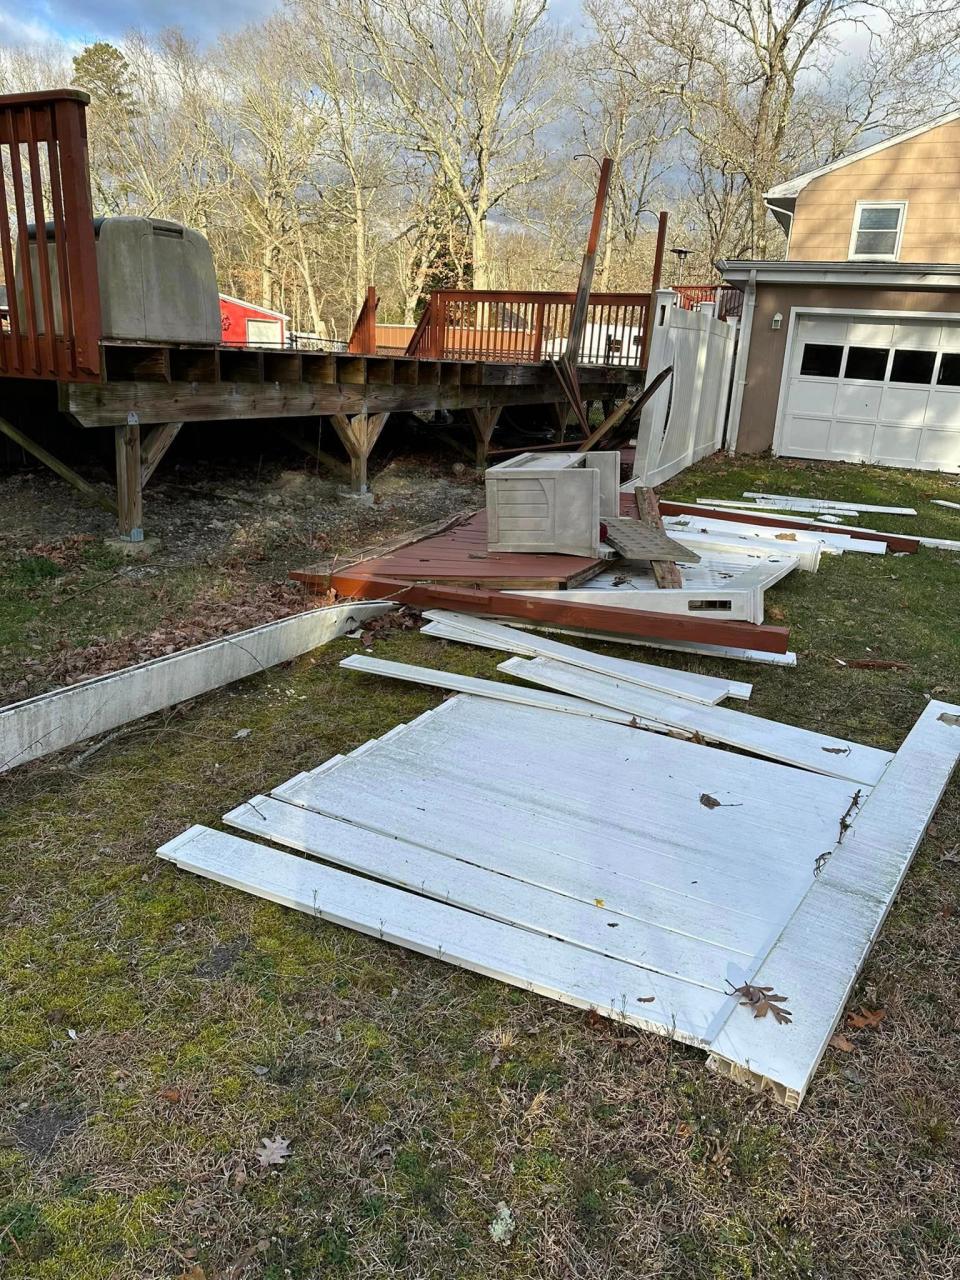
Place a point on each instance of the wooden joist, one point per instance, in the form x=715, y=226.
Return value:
x=601, y=620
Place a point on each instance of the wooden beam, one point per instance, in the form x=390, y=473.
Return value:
x=625, y=412
x=648, y=513
x=336, y=465
x=155, y=447
x=358, y=435
x=129, y=484
x=109, y=404
x=482, y=422
x=89, y=491
x=607, y=619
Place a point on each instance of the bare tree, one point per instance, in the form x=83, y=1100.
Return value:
x=467, y=85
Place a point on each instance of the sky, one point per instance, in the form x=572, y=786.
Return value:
x=79, y=22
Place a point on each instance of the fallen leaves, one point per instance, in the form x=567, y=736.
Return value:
x=273, y=1151
x=839, y=1041
x=170, y=1094
x=708, y=801
x=762, y=1000
x=866, y=1018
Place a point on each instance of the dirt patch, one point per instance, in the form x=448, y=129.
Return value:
x=40, y=1132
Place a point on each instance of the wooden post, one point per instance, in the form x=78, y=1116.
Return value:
x=483, y=421
x=578, y=319
x=654, y=284
x=129, y=482
x=358, y=435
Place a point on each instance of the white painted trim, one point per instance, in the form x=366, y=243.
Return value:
x=799, y=313
x=742, y=361
x=856, y=229
x=794, y=186
x=876, y=275
x=254, y=306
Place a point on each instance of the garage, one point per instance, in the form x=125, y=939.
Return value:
x=884, y=390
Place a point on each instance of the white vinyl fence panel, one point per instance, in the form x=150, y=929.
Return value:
x=684, y=420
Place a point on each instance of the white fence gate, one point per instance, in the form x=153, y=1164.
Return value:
x=683, y=422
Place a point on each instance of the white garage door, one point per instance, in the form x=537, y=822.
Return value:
x=873, y=391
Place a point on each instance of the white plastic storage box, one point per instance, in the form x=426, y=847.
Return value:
x=157, y=281
x=551, y=502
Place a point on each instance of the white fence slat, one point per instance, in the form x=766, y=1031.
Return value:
x=681, y=684
x=816, y=960
x=535, y=963
x=479, y=688
x=823, y=754
x=491, y=893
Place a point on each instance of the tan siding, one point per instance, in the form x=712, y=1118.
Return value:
x=768, y=346
x=924, y=171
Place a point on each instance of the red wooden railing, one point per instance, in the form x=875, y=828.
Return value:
x=47, y=246
x=515, y=327
x=363, y=340
x=729, y=298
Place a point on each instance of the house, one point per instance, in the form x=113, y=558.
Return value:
x=244, y=324
x=850, y=347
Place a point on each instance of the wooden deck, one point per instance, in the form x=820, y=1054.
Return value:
x=459, y=556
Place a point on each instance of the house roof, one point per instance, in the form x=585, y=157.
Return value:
x=915, y=275
x=782, y=198
x=253, y=306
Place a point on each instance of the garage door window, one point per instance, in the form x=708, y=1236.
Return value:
x=913, y=366
x=867, y=363
x=949, y=375
x=821, y=360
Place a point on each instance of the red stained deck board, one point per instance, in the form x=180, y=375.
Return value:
x=461, y=553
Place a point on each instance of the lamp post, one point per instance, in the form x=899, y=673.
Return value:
x=681, y=255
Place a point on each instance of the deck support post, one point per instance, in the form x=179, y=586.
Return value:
x=129, y=482
x=482, y=422
x=358, y=435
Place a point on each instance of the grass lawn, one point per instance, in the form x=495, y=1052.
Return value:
x=154, y=1027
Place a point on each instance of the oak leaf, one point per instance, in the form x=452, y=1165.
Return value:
x=273, y=1151
x=866, y=1018
x=762, y=1000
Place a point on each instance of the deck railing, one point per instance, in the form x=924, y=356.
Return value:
x=47, y=246
x=515, y=327
x=728, y=298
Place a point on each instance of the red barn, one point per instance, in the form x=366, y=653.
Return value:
x=244, y=324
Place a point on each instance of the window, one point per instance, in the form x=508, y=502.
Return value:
x=867, y=363
x=877, y=229
x=821, y=360
x=949, y=375
x=913, y=366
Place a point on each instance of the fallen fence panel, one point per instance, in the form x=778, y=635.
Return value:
x=51, y=721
